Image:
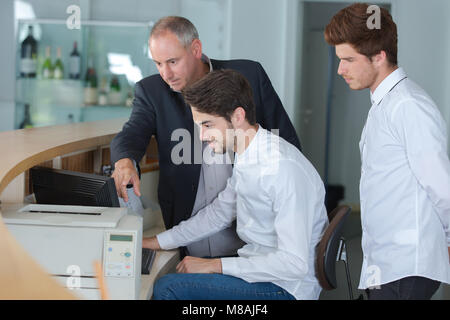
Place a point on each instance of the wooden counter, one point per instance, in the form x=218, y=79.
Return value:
x=20, y=276
x=23, y=149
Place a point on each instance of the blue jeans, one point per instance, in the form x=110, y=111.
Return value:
x=205, y=286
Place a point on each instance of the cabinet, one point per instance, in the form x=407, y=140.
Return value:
x=115, y=49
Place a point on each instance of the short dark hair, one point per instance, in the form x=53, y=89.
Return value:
x=220, y=92
x=350, y=26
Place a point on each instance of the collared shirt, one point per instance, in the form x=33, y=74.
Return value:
x=277, y=197
x=213, y=179
x=405, y=186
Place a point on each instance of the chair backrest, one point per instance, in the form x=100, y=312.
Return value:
x=328, y=247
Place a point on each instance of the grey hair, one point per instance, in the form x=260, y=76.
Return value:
x=181, y=27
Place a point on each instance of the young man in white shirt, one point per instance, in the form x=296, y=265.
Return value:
x=405, y=175
x=274, y=193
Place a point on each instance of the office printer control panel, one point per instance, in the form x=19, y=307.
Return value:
x=119, y=254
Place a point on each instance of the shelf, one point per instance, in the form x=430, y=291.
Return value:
x=116, y=49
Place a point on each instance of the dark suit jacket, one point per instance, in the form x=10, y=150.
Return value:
x=158, y=110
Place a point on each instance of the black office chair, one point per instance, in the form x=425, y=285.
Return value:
x=332, y=248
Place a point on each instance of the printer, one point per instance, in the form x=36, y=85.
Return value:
x=67, y=240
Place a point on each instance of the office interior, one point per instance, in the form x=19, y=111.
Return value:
x=285, y=36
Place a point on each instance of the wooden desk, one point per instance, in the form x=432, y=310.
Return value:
x=20, y=276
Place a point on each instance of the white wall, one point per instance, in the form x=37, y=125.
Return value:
x=266, y=31
x=424, y=46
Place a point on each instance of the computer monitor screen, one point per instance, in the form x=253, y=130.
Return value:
x=54, y=186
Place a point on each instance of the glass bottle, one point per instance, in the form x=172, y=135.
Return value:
x=90, y=85
x=28, y=55
x=114, y=95
x=74, y=63
x=58, y=71
x=26, y=123
x=47, y=67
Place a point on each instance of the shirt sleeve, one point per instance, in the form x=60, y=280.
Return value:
x=296, y=201
x=211, y=219
x=423, y=132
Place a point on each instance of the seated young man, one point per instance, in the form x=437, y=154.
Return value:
x=274, y=193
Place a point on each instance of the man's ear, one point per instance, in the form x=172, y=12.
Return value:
x=380, y=58
x=238, y=117
x=196, y=48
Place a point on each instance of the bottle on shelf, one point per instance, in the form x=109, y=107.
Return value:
x=90, y=85
x=114, y=95
x=129, y=100
x=26, y=123
x=102, y=95
x=47, y=67
x=74, y=63
x=70, y=118
x=58, y=69
x=28, y=55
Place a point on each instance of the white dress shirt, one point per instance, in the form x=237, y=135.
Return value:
x=277, y=197
x=212, y=180
x=405, y=186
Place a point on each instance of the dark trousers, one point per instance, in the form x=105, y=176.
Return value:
x=410, y=288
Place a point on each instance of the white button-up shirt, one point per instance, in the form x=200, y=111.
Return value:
x=277, y=198
x=405, y=186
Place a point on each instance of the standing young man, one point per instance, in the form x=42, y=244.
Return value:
x=274, y=193
x=405, y=174
x=159, y=110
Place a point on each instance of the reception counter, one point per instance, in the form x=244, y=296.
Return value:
x=20, y=276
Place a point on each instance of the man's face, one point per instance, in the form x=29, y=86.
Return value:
x=214, y=130
x=358, y=71
x=174, y=62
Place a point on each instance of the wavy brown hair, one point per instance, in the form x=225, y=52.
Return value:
x=350, y=26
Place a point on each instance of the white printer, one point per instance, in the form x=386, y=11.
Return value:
x=67, y=240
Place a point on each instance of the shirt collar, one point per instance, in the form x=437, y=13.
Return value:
x=386, y=85
x=205, y=59
x=252, y=149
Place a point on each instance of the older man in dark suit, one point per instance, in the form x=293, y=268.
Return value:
x=186, y=186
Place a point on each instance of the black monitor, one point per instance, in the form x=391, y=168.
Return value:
x=55, y=186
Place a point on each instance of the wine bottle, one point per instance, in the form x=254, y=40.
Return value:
x=114, y=95
x=102, y=96
x=28, y=56
x=58, y=71
x=26, y=123
x=74, y=63
x=47, y=68
x=129, y=100
x=90, y=85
